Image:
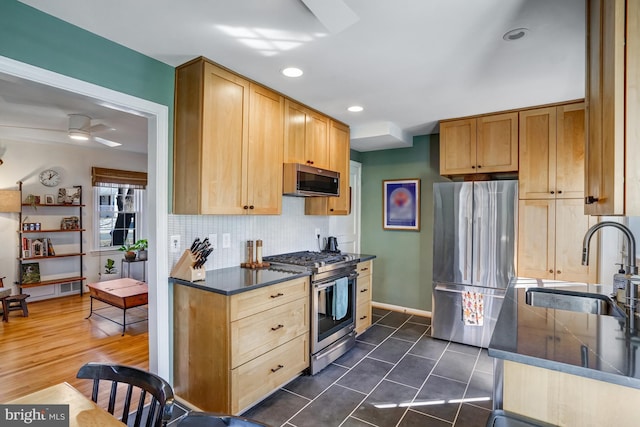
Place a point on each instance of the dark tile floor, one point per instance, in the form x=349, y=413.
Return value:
x=397, y=375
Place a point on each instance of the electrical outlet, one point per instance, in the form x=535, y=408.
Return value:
x=317, y=233
x=213, y=239
x=226, y=240
x=175, y=243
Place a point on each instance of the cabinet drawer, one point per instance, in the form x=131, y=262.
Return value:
x=257, y=378
x=365, y=268
x=252, y=302
x=363, y=291
x=363, y=316
x=257, y=334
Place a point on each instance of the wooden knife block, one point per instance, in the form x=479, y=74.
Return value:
x=184, y=268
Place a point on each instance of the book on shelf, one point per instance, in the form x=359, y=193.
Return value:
x=30, y=272
x=39, y=247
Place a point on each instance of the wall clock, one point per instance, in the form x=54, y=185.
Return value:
x=49, y=178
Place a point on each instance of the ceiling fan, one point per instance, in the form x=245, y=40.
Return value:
x=80, y=129
x=334, y=15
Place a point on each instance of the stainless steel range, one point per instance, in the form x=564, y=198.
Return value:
x=333, y=295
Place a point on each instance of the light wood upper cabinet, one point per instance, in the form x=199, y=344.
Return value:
x=550, y=240
x=612, y=179
x=486, y=144
x=228, y=144
x=339, y=144
x=306, y=136
x=552, y=152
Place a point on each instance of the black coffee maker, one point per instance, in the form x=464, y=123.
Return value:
x=331, y=244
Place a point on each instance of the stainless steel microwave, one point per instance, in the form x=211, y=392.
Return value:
x=304, y=181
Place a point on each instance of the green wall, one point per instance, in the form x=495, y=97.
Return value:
x=403, y=267
x=30, y=36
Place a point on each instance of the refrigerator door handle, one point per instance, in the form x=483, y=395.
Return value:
x=477, y=278
x=468, y=252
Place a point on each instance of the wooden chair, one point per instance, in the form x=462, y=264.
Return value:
x=208, y=419
x=161, y=405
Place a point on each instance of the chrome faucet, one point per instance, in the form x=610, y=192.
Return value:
x=631, y=289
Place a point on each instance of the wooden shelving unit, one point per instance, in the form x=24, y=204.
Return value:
x=59, y=210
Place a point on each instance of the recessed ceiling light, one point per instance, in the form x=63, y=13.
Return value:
x=292, y=72
x=515, y=34
x=355, y=108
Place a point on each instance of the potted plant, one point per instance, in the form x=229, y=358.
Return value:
x=110, y=271
x=129, y=251
x=142, y=245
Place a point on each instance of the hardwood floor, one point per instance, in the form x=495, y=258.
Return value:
x=50, y=345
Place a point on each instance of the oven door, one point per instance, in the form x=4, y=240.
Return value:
x=331, y=320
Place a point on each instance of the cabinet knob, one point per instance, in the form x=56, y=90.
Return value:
x=473, y=167
x=251, y=207
x=331, y=210
x=559, y=191
x=310, y=162
x=551, y=271
x=559, y=272
x=552, y=192
x=589, y=200
x=245, y=207
x=479, y=166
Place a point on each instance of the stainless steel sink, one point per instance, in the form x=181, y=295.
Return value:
x=582, y=302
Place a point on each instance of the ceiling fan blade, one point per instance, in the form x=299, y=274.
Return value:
x=106, y=142
x=99, y=128
x=335, y=15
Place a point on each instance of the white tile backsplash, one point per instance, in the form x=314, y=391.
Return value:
x=289, y=232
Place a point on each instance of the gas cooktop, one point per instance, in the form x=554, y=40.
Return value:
x=311, y=259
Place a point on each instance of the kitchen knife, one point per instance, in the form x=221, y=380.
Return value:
x=195, y=244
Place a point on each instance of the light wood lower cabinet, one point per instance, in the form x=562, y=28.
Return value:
x=550, y=240
x=363, y=296
x=567, y=400
x=231, y=351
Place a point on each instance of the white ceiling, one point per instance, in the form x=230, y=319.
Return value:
x=409, y=63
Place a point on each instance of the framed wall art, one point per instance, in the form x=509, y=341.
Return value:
x=401, y=204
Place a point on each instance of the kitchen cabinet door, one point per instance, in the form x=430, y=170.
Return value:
x=612, y=178
x=536, y=238
x=264, y=152
x=552, y=152
x=497, y=143
x=306, y=136
x=458, y=147
x=223, y=154
x=571, y=225
x=338, y=161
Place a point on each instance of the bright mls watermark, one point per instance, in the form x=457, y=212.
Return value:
x=34, y=415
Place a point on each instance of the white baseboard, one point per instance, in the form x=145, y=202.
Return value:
x=401, y=309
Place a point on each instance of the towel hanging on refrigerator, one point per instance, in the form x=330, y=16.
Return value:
x=472, y=308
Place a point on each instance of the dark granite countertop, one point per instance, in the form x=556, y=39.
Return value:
x=595, y=346
x=363, y=257
x=233, y=280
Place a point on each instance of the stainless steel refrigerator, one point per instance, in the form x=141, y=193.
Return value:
x=474, y=256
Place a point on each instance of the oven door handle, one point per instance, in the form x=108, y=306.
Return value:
x=324, y=285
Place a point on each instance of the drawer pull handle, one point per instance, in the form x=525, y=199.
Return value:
x=364, y=269
x=277, y=369
x=363, y=290
x=277, y=327
x=363, y=317
x=279, y=294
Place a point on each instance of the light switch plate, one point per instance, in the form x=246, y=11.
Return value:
x=226, y=240
x=175, y=243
